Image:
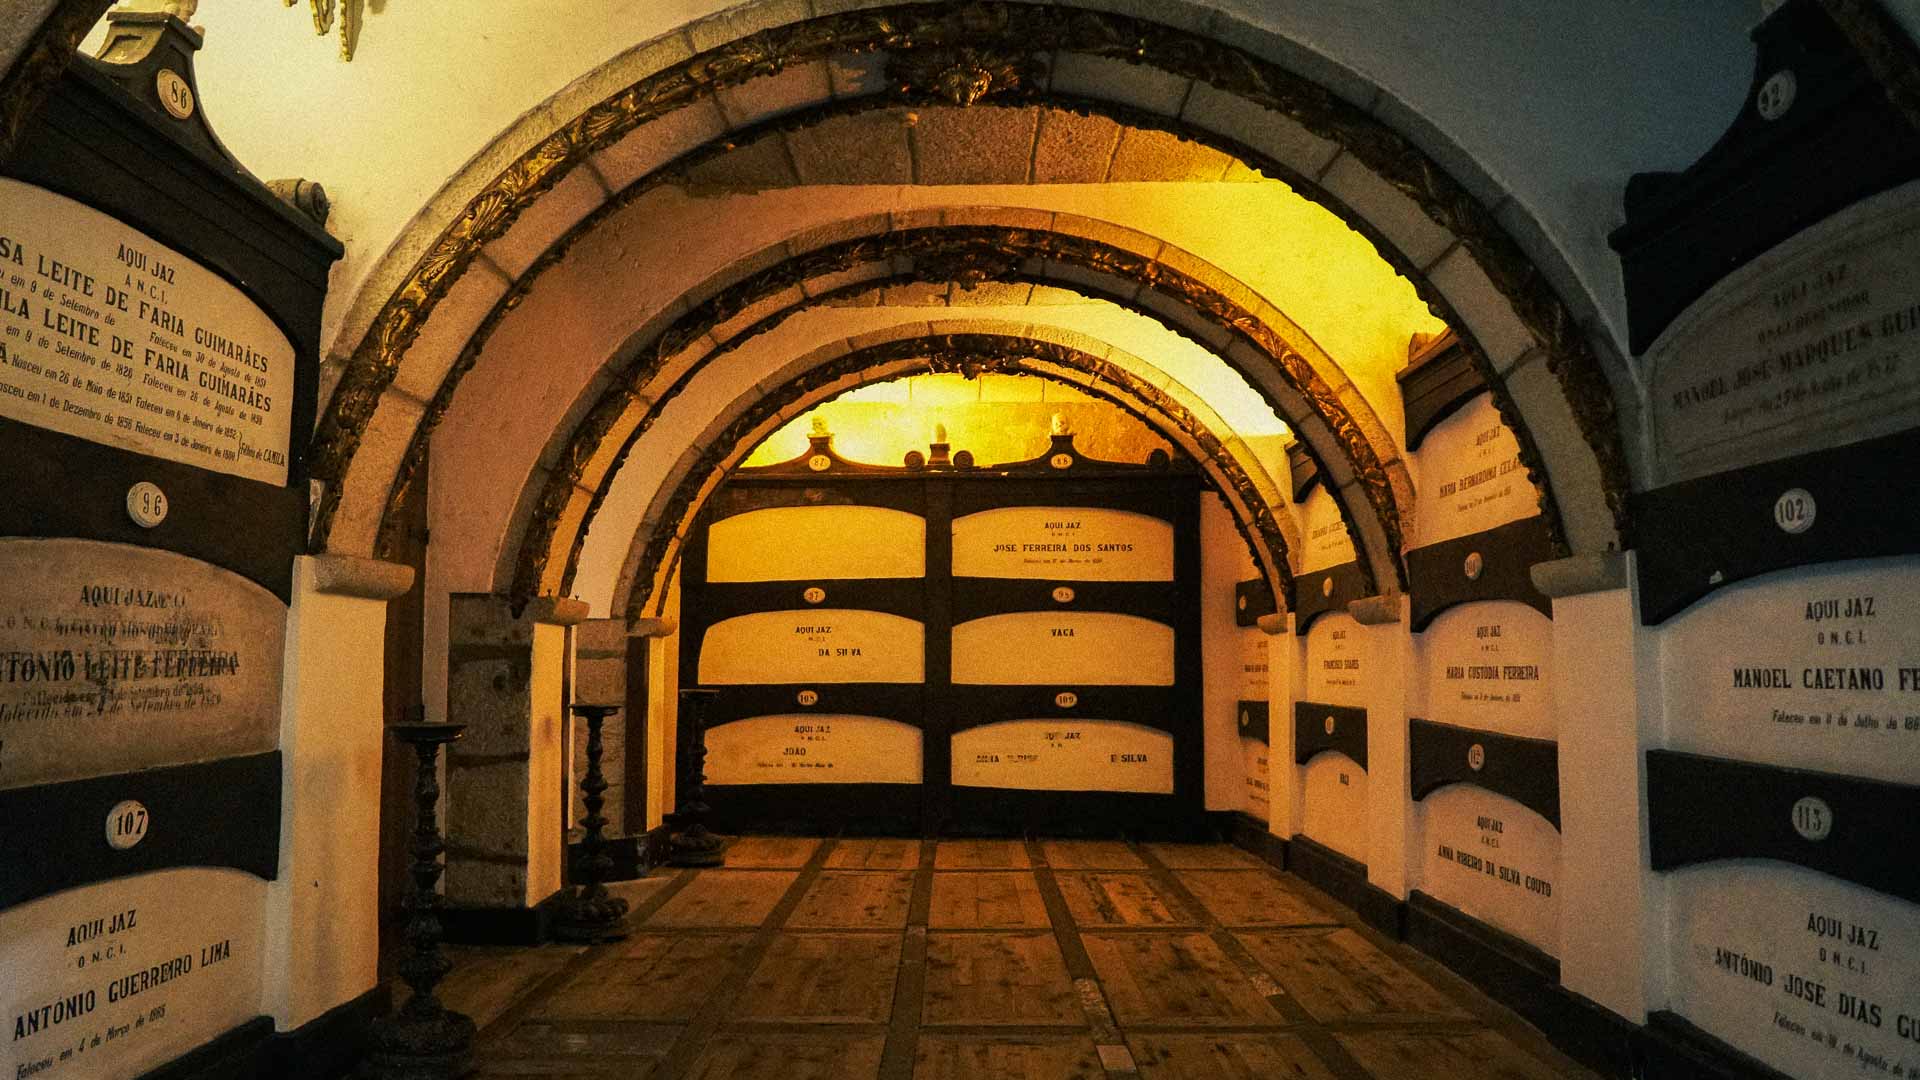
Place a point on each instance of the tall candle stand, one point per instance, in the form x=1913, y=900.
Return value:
x=690, y=844
x=588, y=912
x=423, y=1039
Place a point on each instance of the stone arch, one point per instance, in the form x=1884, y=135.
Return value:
x=1188, y=296
x=836, y=368
x=1483, y=280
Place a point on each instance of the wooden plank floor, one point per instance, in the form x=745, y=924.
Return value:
x=859, y=959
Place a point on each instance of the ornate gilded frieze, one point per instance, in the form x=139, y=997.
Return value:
x=1003, y=354
x=1001, y=31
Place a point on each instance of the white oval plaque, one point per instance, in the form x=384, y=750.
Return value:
x=1066, y=699
x=807, y=697
x=1326, y=586
x=175, y=95
x=1794, y=511
x=1061, y=461
x=814, y=594
x=1329, y=725
x=1776, y=95
x=126, y=824
x=819, y=463
x=1812, y=818
x=146, y=504
x=1063, y=594
x=1473, y=566
x=1246, y=718
x=1241, y=603
x=1476, y=757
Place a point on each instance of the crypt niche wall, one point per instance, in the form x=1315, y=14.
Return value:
x=957, y=604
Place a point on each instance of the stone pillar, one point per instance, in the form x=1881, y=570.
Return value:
x=1388, y=661
x=505, y=841
x=323, y=919
x=656, y=636
x=1282, y=658
x=1606, y=695
x=600, y=678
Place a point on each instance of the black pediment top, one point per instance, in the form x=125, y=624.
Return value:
x=1252, y=601
x=1698, y=535
x=1524, y=770
x=1436, y=384
x=1304, y=469
x=1703, y=809
x=1318, y=726
x=1815, y=134
x=1063, y=458
x=889, y=701
x=1254, y=720
x=1491, y=565
x=1318, y=592
x=222, y=813
x=820, y=459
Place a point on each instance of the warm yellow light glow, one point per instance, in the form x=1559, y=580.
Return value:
x=999, y=418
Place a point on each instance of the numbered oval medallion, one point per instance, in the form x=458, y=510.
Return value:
x=1066, y=699
x=814, y=594
x=1474, y=565
x=1794, y=511
x=819, y=463
x=1061, y=461
x=1326, y=586
x=1812, y=818
x=126, y=824
x=1476, y=757
x=1241, y=603
x=1062, y=594
x=1246, y=718
x=1329, y=725
x=146, y=504
x=807, y=697
x=1776, y=95
x=175, y=95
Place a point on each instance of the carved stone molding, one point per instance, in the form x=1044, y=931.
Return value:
x=1013, y=30
x=1003, y=248
x=963, y=75
x=1008, y=355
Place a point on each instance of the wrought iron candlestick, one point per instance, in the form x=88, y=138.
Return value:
x=690, y=844
x=588, y=912
x=423, y=1040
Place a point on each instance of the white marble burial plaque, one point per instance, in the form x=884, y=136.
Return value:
x=1254, y=662
x=807, y=748
x=823, y=645
x=1064, y=755
x=117, y=978
x=1815, y=976
x=1813, y=345
x=1253, y=757
x=1326, y=541
x=113, y=337
x=1336, y=656
x=1471, y=478
x=1335, y=798
x=1815, y=668
x=1064, y=543
x=115, y=658
x=1028, y=648
x=805, y=543
x=1488, y=667
x=1494, y=859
